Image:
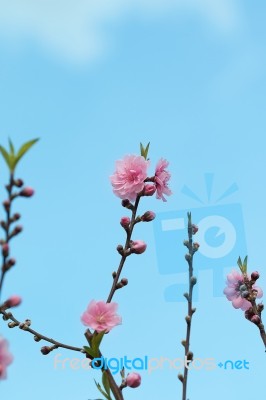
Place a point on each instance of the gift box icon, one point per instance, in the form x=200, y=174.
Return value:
x=221, y=237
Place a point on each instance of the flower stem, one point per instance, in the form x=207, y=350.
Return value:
x=4, y=268
x=37, y=336
x=191, y=310
x=126, y=247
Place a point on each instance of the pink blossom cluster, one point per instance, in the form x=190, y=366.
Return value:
x=235, y=291
x=130, y=178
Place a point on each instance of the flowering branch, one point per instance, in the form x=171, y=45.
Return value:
x=130, y=183
x=25, y=326
x=243, y=293
x=192, y=248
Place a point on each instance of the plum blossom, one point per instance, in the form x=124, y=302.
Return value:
x=235, y=291
x=5, y=357
x=161, y=179
x=101, y=316
x=129, y=176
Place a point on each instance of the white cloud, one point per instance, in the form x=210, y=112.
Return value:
x=75, y=29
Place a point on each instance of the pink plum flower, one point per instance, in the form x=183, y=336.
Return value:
x=133, y=380
x=101, y=316
x=128, y=179
x=161, y=179
x=5, y=357
x=236, y=291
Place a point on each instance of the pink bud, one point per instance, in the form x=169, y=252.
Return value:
x=138, y=246
x=256, y=320
x=149, y=190
x=125, y=222
x=11, y=262
x=255, y=275
x=133, y=380
x=26, y=192
x=13, y=301
x=18, y=229
x=194, y=229
x=6, y=205
x=5, y=249
x=196, y=245
x=148, y=216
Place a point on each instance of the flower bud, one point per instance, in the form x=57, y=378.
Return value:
x=149, y=190
x=6, y=205
x=125, y=222
x=249, y=313
x=193, y=280
x=196, y=246
x=138, y=246
x=45, y=350
x=11, y=262
x=16, y=217
x=5, y=250
x=13, y=301
x=124, y=281
x=255, y=275
x=120, y=249
x=133, y=380
x=148, y=216
x=126, y=203
x=180, y=377
x=188, y=257
x=255, y=319
x=18, y=183
x=194, y=229
x=260, y=307
x=17, y=229
x=26, y=192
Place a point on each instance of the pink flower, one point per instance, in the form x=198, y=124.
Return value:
x=236, y=291
x=5, y=357
x=137, y=246
x=162, y=177
x=133, y=380
x=128, y=179
x=101, y=316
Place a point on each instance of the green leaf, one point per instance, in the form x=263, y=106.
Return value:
x=144, y=150
x=245, y=265
x=23, y=149
x=102, y=391
x=122, y=373
x=96, y=341
x=106, y=383
x=90, y=351
x=5, y=156
x=11, y=147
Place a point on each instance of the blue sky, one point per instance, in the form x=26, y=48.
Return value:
x=92, y=80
